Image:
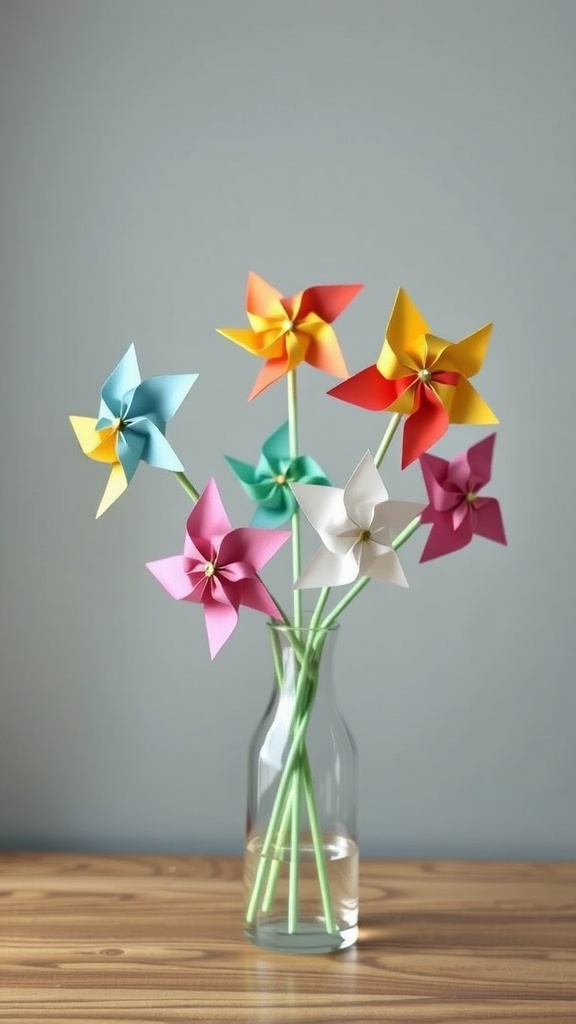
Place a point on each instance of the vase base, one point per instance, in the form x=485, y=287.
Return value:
x=311, y=937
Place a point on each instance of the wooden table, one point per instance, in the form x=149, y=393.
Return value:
x=154, y=939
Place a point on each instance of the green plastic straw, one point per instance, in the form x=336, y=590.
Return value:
x=188, y=487
x=295, y=521
x=294, y=879
x=389, y=434
x=299, y=725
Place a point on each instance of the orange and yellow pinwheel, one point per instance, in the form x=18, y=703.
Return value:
x=289, y=330
x=422, y=376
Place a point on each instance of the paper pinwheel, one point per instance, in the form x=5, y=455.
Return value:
x=357, y=525
x=422, y=376
x=456, y=510
x=219, y=567
x=268, y=483
x=289, y=330
x=131, y=424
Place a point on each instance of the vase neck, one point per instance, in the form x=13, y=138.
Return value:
x=303, y=657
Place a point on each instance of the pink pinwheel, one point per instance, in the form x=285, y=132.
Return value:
x=457, y=511
x=219, y=567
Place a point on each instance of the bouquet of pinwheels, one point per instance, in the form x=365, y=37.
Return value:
x=419, y=378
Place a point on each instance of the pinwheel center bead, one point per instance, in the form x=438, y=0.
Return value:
x=470, y=497
x=209, y=569
x=287, y=325
x=364, y=535
x=425, y=376
x=281, y=479
x=118, y=424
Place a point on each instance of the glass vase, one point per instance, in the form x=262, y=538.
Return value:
x=301, y=857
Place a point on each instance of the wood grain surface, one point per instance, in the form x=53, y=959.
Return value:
x=150, y=939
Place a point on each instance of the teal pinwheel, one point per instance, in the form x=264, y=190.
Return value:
x=269, y=482
x=131, y=424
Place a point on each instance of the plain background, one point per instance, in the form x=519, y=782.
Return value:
x=152, y=153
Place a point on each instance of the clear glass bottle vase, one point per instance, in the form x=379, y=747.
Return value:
x=301, y=857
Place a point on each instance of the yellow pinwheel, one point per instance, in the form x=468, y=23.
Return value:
x=422, y=376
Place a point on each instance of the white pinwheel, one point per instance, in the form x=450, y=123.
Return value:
x=357, y=525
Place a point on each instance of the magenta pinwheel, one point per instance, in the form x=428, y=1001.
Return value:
x=219, y=567
x=456, y=509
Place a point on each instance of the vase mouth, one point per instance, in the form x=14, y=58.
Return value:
x=290, y=630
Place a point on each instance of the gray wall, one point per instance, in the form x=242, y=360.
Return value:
x=153, y=153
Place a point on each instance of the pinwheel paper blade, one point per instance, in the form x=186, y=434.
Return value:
x=357, y=525
x=288, y=330
x=219, y=567
x=423, y=377
x=131, y=424
x=457, y=510
x=269, y=483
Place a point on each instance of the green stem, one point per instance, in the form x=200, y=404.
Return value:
x=385, y=442
x=188, y=487
x=296, y=775
x=314, y=644
x=276, y=864
x=281, y=796
x=293, y=445
x=277, y=655
x=317, y=613
x=281, y=611
x=348, y=597
x=293, y=884
x=296, y=566
x=398, y=541
x=291, y=815
x=406, y=533
x=298, y=726
x=319, y=852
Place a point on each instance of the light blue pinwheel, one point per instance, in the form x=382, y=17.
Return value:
x=131, y=424
x=268, y=483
